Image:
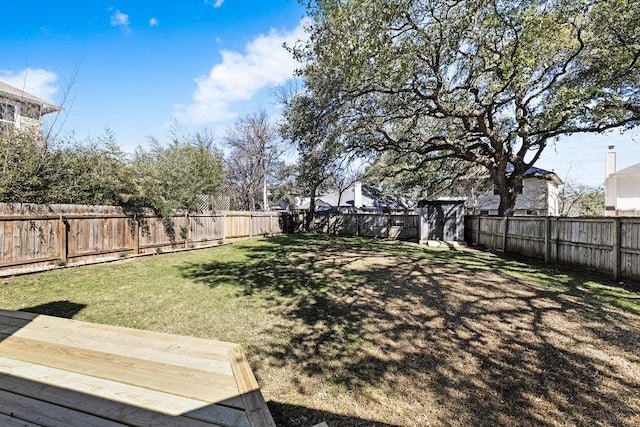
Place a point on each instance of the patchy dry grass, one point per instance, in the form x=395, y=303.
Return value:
x=361, y=332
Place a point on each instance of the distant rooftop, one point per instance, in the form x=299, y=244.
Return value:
x=538, y=173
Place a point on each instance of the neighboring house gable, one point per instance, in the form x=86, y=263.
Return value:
x=622, y=192
x=21, y=110
x=539, y=196
x=357, y=196
x=351, y=197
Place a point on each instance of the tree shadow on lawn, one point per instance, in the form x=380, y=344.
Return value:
x=65, y=309
x=414, y=337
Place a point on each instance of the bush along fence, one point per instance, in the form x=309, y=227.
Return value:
x=607, y=245
x=32, y=234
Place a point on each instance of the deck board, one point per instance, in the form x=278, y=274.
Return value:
x=63, y=372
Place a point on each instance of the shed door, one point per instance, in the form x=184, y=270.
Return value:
x=443, y=222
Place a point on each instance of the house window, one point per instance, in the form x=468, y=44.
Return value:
x=7, y=112
x=7, y=117
x=30, y=111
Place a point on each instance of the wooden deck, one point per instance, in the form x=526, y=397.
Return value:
x=60, y=372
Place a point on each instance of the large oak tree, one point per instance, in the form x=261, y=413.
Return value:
x=490, y=82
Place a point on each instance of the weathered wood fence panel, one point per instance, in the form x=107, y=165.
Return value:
x=382, y=226
x=264, y=223
x=608, y=245
x=91, y=235
x=237, y=225
x=25, y=238
x=206, y=229
x=33, y=234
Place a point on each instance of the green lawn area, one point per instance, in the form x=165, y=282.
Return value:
x=362, y=332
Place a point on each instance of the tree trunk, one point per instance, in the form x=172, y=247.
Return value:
x=508, y=187
x=265, y=200
x=508, y=192
x=312, y=209
x=507, y=204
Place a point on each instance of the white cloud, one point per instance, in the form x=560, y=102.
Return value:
x=38, y=82
x=153, y=22
x=119, y=19
x=239, y=76
x=216, y=4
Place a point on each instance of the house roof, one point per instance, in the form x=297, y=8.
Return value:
x=631, y=170
x=19, y=95
x=331, y=200
x=370, y=197
x=534, y=172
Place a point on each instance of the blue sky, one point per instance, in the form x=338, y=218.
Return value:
x=136, y=67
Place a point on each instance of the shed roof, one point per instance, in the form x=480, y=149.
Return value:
x=20, y=95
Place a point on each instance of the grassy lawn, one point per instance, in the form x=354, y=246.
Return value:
x=361, y=332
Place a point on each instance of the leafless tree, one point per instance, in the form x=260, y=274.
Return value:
x=255, y=151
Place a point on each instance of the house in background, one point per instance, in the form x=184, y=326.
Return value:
x=539, y=196
x=621, y=188
x=358, y=197
x=20, y=110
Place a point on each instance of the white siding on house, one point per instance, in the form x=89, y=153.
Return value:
x=539, y=197
x=622, y=192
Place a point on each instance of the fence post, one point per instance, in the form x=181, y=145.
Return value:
x=64, y=238
x=224, y=228
x=505, y=234
x=187, y=236
x=405, y=228
x=547, y=240
x=557, y=240
x=615, y=256
x=250, y=224
x=136, y=236
x=330, y=230
x=478, y=231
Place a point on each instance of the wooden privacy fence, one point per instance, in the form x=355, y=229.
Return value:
x=67, y=233
x=383, y=226
x=608, y=245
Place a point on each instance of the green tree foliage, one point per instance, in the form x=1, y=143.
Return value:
x=175, y=175
x=314, y=129
x=24, y=161
x=283, y=185
x=93, y=172
x=97, y=172
x=411, y=177
x=488, y=82
x=34, y=170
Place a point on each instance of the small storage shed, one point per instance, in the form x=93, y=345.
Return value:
x=441, y=221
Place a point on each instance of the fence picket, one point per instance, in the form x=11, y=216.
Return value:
x=33, y=234
x=607, y=245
